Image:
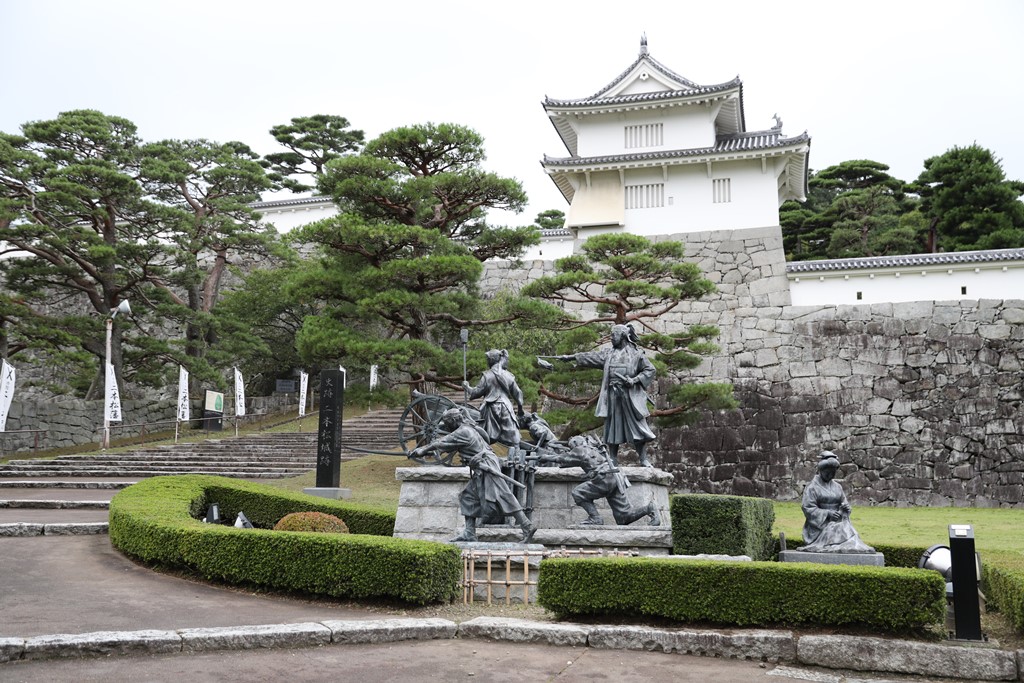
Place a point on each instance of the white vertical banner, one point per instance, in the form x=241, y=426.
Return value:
x=184, y=414
x=6, y=392
x=112, y=402
x=303, y=385
x=344, y=377
x=373, y=377
x=239, y=393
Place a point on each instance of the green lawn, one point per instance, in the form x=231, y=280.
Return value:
x=371, y=479
x=995, y=530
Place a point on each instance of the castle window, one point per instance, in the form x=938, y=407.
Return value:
x=645, y=196
x=645, y=135
x=721, y=190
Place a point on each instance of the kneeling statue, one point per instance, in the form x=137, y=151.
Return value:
x=487, y=494
x=605, y=481
x=827, y=528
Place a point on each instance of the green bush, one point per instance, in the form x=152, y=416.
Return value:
x=1003, y=585
x=157, y=521
x=311, y=521
x=743, y=593
x=722, y=525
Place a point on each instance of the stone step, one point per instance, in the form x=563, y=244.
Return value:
x=53, y=529
x=67, y=484
x=266, y=460
x=236, y=474
x=17, y=503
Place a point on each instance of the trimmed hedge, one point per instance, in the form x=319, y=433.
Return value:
x=743, y=593
x=722, y=525
x=1003, y=583
x=157, y=521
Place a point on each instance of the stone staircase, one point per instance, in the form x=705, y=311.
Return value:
x=71, y=494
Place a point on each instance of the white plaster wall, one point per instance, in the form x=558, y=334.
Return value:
x=688, y=198
x=287, y=218
x=921, y=284
x=550, y=249
x=685, y=128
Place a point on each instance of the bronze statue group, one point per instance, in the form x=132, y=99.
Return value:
x=488, y=495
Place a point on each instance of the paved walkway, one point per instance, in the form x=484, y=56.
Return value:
x=80, y=584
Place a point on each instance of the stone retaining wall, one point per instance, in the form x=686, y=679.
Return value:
x=66, y=422
x=921, y=401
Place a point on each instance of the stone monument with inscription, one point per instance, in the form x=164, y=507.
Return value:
x=328, y=439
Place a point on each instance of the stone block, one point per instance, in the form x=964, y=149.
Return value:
x=390, y=630
x=254, y=637
x=413, y=493
x=772, y=646
x=11, y=649
x=907, y=657
x=524, y=631
x=76, y=529
x=21, y=529
x=102, y=644
x=868, y=559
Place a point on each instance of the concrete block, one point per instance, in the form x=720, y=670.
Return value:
x=102, y=644
x=254, y=637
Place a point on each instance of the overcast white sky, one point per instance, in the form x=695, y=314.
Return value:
x=895, y=81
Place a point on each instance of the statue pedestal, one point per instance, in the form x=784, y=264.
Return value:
x=869, y=559
x=647, y=540
x=428, y=509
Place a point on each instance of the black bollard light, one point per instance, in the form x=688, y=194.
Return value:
x=964, y=565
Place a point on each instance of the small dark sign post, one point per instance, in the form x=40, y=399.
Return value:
x=328, y=441
x=966, y=610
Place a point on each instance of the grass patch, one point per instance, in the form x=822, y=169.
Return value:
x=996, y=530
x=371, y=478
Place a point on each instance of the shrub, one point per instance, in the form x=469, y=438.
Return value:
x=743, y=593
x=722, y=525
x=156, y=521
x=1003, y=584
x=311, y=521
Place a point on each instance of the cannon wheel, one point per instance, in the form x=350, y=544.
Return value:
x=421, y=423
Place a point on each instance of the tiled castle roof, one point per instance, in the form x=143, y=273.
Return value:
x=739, y=142
x=908, y=260
x=594, y=101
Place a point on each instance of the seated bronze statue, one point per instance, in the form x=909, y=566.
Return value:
x=827, y=528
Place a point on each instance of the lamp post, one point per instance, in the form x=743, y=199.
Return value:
x=122, y=307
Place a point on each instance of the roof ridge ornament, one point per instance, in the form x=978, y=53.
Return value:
x=643, y=44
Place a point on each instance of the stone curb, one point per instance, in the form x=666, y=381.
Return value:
x=68, y=529
x=907, y=657
x=390, y=630
x=524, y=631
x=21, y=529
x=307, y=634
x=101, y=643
x=758, y=645
x=877, y=655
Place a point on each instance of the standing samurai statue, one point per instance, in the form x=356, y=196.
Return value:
x=623, y=400
x=487, y=494
x=501, y=395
